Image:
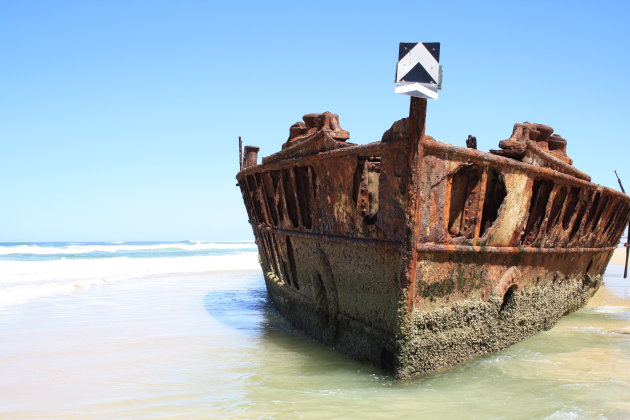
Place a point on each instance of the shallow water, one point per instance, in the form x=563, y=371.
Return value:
x=208, y=345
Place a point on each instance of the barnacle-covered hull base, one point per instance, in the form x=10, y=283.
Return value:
x=416, y=255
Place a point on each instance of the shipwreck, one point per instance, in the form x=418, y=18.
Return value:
x=416, y=255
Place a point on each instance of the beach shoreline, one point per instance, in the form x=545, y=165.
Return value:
x=210, y=345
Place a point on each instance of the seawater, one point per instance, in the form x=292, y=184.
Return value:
x=33, y=270
x=184, y=330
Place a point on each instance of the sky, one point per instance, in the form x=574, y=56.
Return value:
x=119, y=120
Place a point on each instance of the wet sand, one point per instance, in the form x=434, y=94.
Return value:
x=209, y=346
x=619, y=256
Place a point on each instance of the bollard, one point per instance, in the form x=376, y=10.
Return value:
x=251, y=156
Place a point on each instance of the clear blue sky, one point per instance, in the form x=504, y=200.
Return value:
x=119, y=119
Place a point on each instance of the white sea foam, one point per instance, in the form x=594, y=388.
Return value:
x=563, y=414
x=22, y=281
x=250, y=242
x=115, y=247
x=609, y=309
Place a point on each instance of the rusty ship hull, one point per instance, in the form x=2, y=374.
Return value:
x=416, y=255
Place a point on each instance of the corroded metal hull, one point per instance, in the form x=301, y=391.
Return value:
x=416, y=255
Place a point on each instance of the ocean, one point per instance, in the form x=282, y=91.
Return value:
x=34, y=270
x=184, y=330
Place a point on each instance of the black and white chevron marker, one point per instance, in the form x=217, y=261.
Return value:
x=418, y=72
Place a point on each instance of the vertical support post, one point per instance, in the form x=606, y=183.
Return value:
x=415, y=130
x=627, y=244
x=240, y=153
x=417, y=118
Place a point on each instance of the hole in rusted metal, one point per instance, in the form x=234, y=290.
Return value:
x=303, y=192
x=508, y=297
x=292, y=265
x=290, y=197
x=465, y=186
x=495, y=194
x=537, y=209
x=570, y=206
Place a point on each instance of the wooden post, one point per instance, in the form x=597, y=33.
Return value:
x=240, y=153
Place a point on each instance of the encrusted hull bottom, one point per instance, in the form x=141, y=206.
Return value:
x=429, y=341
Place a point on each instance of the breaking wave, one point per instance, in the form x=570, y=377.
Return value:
x=23, y=278
x=118, y=247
